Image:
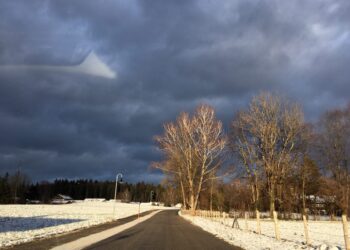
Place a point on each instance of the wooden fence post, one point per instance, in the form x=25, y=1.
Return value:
x=258, y=221
x=138, y=214
x=277, y=229
x=246, y=220
x=345, y=230
x=306, y=231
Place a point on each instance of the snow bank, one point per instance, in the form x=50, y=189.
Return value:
x=323, y=235
x=23, y=223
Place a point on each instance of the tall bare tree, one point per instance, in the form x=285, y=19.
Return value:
x=193, y=147
x=244, y=146
x=335, y=146
x=308, y=179
x=18, y=183
x=269, y=132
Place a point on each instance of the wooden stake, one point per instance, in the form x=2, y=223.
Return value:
x=258, y=222
x=306, y=231
x=246, y=220
x=346, y=232
x=138, y=215
x=277, y=230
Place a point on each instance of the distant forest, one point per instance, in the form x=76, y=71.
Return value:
x=17, y=188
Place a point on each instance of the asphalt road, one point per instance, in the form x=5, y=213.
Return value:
x=48, y=243
x=165, y=230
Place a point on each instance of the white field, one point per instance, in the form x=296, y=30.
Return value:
x=23, y=223
x=322, y=234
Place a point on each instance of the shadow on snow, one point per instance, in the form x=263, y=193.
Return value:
x=21, y=224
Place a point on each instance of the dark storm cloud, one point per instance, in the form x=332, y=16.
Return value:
x=169, y=56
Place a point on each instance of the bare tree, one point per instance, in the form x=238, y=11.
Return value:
x=308, y=176
x=18, y=183
x=335, y=146
x=269, y=133
x=193, y=147
x=170, y=195
x=244, y=146
x=172, y=167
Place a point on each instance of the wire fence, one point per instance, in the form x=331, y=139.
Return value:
x=301, y=230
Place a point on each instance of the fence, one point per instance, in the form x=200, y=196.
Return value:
x=252, y=222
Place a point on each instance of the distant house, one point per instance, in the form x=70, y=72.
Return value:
x=61, y=199
x=94, y=200
x=321, y=204
x=32, y=201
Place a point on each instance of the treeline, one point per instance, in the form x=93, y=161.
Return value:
x=280, y=162
x=17, y=188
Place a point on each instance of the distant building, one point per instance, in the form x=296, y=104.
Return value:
x=94, y=200
x=61, y=199
x=32, y=201
x=321, y=204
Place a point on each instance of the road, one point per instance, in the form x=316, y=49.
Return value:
x=165, y=230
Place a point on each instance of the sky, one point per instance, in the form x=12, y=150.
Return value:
x=162, y=57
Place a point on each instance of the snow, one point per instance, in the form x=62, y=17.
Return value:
x=23, y=223
x=323, y=234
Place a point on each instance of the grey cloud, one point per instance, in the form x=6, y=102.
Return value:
x=170, y=56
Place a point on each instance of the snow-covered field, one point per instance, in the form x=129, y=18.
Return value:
x=321, y=233
x=23, y=223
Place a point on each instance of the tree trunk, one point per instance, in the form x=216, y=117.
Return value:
x=346, y=207
x=192, y=203
x=303, y=196
x=183, y=193
x=257, y=193
x=199, y=187
x=272, y=198
x=211, y=195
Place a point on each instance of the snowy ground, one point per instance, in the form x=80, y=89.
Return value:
x=23, y=223
x=321, y=233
